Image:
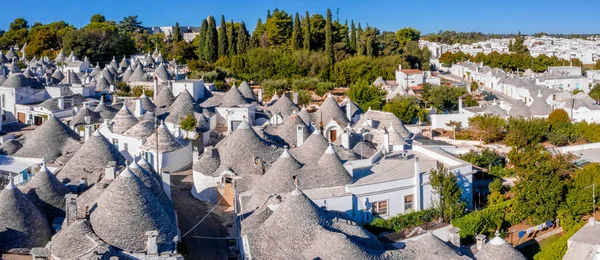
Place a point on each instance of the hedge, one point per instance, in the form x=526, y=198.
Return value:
x=486, y=221
x=402, y=221
x=556, y=249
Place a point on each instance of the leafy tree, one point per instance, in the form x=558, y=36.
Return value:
x=388, y=44
x=317, y=32
x=474, y=86
x=590, y=132
x=98, y=40
x=489, y=128
x=188, y=122
x=595, y=92
x=279, y=27
x=455, y=125
x=445, y=184
x=329, y=38
x=97, y=18
x=131, y=24
x=353, y=36
x=445, y=98
x=231, y=39
x=367, y=95
x=243, y=41
x=257, y=34
x=275, y=86
x=177, y=33
x=222, y=48
x=304, y=97
x=539, y=190
x=306, y=33
x=562, y=133
x=405, y=108
x=369, y=36
x=17, y=34
x=407, y=34
x=211, y=42
x=519, y=45
x=496, y=188
x=579, y=197
x=202, y=40
x=558, y=116
x=47, y=37
x=360, y=46
x=523, y=132
x=297, y=33
x=323, y=87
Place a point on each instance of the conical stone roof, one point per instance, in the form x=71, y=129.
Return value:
x=75, y=240
x=91, y=160
x=50, y=140
x=127, y=74
x=47, y=193
x=143, y=129
x=154, y=186
x=498, y=249
x=311, y=150
x=166, y=141
x=105, y=111
x=184, y=105
x=519, y=109
x=138, y=75
x=233, y=98
x=165, y=97
x=162, y=73
x=330, y=110
x=79, y=118
x=22, y=225
x=283, y=106
x=247, y=91
x=124, y=63
x=126, y=210
x=123, y=120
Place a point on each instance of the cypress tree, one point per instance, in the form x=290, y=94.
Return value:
x=306, y=34
x=212, y=50
x=222, y=38
x=176, y=33
x=258, y=32
x=243, y=42
x=346, y=40
x=352, y=36
x=297, y=33
x=268, y=14
x=360, y=46
x=329, y=38
x=231, y=39
x=202, y=40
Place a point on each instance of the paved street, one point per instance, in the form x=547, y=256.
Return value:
x=190, y=211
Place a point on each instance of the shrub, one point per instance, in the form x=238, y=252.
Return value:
x=557, y=248
x=275, y=85
x=486, y=221
x=558, y=116
x=188, y=122
x=402, y=221
x=305, y=84
x=304, y=97
x=324, y=87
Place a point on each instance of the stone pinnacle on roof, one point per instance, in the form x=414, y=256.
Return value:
x=22, y=225
x=498, y=249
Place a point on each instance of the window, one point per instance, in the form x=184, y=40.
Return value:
x=408, y=202
x=380, y=208
x=116, y=142
x=577, y=85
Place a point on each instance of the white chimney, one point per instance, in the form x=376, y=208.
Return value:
x=110, y=172
x=386, y=141
x=69, y=76
x=417, y=177
x=348, y=110
x=346, y=138
x=369, y=122
x=260, y=95
x=112, y=88
x=299, y=135
x=70, y=208
x=61, y=103
x=295, y=98
x=454, y=236
x=460, y=105
x=177, y=132
x=480, y=241
x=166, y=182
x=139, y=110
x=195, y=155
x=151, y=244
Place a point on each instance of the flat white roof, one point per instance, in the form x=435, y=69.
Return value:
x=13, y=164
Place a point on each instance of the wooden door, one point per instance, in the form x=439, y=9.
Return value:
x=37, y=120
x=21, y=117
x=333, y=135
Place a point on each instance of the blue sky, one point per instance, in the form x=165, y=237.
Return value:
x=527, y=16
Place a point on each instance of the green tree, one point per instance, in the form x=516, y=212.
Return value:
x=474, y=86
x=496, y=195
x=98, y=40
x=202, y=40
x=231, y=39
x=579, y=198
x=367, y=95
x=353, y=37
x=297, y=33
x=595, y=92
x=211, y=41
x=17, y=34
x=257, y=35
x=329, y=38
x=455, y=126
x=369, y=36
x=405, y=108
x=523, y=132
x=489, y=128
x=130, y=24
x=306, y=34
x=558, y=116
x=188, y=122
x=47, y=37
x=97, y=18
x=519, y=45
x=562, y=134
x=243, y=41
x=539, y=190
x=445, y=185
x=360, y=46
x=407, y=34
x=222, y=47
x=279, y=27
x=177, y=33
